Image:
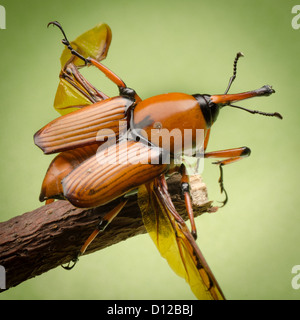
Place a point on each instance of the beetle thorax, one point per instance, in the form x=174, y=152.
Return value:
x=170, y=121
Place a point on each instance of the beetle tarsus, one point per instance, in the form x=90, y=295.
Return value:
x=57, y=24
x=66, y=42
x=225, y=200
x=71, y=263
x=221, y=183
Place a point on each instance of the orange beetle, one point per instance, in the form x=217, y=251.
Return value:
x=110, y=147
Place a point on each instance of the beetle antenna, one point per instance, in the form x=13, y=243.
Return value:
x=238, y=55
x=274, y=114
x=66, y=42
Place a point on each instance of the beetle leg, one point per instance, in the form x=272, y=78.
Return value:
x=160, y=184
x=110, y=75
x=185, y=191
x=71, y=264
x=104, y=222
x=222, y=186
x=232, y=155
x=124, y=90
x=66, y=42
x=71, y=74
x=206, y=138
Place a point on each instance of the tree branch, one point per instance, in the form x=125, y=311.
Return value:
x=51, y=235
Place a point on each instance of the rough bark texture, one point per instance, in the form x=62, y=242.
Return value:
x=51, y=235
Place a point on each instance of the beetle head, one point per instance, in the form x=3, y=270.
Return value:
x=215, y=102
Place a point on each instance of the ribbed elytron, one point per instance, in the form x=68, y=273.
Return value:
x=81, y=174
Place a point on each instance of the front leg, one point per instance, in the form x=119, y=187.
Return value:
x=231, y=155
x=185, y=192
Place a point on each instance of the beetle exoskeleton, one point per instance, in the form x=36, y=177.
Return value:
x=112, y=146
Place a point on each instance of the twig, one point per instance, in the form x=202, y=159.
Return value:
x=40, y=240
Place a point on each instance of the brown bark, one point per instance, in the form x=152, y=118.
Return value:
x=37, y=241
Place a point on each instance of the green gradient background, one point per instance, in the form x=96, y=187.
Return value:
x=163, y=46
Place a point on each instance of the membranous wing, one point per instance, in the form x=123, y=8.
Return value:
x=174, y=241
x=74, y=91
